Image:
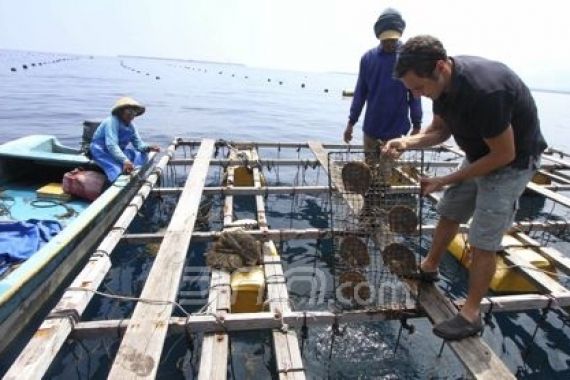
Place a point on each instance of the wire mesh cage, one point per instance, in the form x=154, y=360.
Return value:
x=375, y=216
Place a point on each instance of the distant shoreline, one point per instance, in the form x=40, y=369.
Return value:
x=564, y=92
x=181, y=60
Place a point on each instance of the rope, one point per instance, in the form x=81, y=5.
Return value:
x=129, y=298
x=5, y=208
x=541, y=321
x=48, y=203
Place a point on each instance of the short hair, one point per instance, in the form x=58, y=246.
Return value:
x=420, y=55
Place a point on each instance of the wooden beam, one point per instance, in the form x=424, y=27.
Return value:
x=515, y=254
x=473, y=352
x=295, y=162
x=288, y=359
x=561, y=261
x=555, y=197
x=294, y=145
x=555, y=226
x=215, y=345
x=41, y=350
x=141, y=347
x=269, y=190
x=204, y=323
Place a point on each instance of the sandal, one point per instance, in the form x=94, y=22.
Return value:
x=457, y=328
x=429, y=277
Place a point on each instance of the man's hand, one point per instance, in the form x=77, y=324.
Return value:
x=348, y=132
x=128, y=167
x=394, y=148
x=429, y=185
x=154, y=148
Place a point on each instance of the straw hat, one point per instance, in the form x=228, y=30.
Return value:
x=128, y=102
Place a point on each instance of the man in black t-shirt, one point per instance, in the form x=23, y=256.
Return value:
x=492, y=116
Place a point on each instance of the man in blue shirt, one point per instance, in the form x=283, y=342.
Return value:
x=389, y=103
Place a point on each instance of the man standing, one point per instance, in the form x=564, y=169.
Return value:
x=491, y=114
x=388, y=102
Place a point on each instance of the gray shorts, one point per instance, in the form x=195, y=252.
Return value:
x=492, y=201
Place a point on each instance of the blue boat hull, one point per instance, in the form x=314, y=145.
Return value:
x=28, y=289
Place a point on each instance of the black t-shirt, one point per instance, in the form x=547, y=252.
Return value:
x=485, y=97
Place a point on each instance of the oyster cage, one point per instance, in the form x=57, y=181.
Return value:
x=375, y=213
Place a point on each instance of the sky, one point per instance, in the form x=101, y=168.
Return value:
x=308, y=35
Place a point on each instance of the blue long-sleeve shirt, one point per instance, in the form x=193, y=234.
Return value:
x=116, y=135
x=389, y=105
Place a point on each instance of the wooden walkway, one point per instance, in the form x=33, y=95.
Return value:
x=144, y=336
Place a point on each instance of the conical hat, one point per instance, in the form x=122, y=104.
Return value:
x=128, y=102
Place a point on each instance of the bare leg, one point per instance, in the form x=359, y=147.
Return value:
x=481, y=273
x=445, y=231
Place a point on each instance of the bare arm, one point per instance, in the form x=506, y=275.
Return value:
x=435, y=133
x=501, y=153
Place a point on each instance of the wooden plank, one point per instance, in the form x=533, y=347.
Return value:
x=141, y=347
x=269, y=190
x=288, y=359
x=294, y=145
x=560, y=162
x=37, y=356
x=553, y=196
x=474, y=354
x=296, y=319
x=297, y=162
x=554, y=176
x=200, y=323
x=215, y=345
x=561, y=261
x=317, y=233
x=515, y=254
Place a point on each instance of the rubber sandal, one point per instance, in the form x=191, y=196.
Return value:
x=457, y=328
x=429, y=277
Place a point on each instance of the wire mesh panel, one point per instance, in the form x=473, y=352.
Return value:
x=374, y=220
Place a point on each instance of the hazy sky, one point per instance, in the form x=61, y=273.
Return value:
x=322, y=35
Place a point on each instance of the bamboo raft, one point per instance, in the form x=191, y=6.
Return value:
x=142, y=336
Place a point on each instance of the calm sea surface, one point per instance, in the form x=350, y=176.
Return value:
x=196, y=100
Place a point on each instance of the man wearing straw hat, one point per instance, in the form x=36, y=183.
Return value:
x=117, y=147
x=389, y=103
x=492, y=116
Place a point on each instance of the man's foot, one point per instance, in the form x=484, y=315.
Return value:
x=457, y=328
x=423, y=276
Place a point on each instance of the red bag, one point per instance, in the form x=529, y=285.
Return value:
x=86, y=184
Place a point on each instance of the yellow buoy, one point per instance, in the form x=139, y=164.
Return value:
x=506, y=278
x=248, y=290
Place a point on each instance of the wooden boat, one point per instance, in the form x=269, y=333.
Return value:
x=30, y=163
